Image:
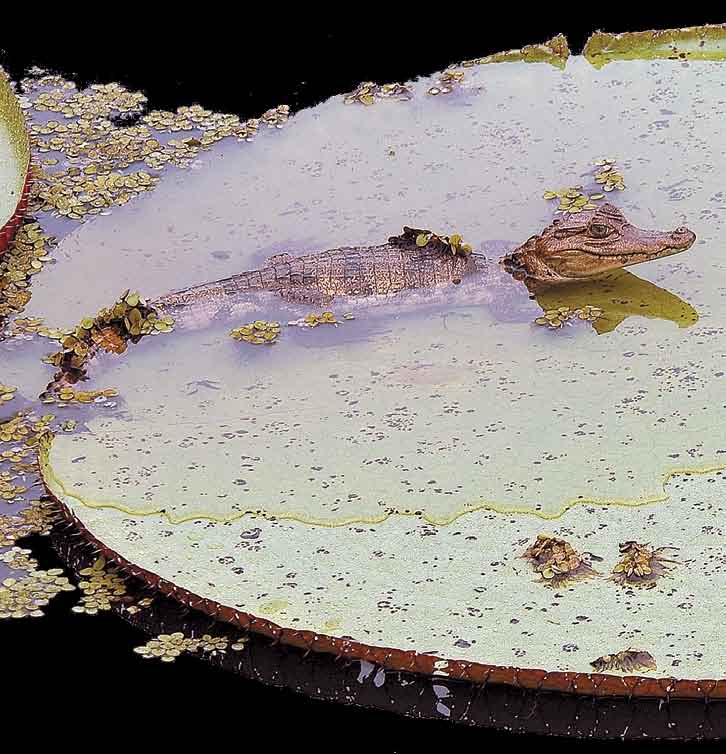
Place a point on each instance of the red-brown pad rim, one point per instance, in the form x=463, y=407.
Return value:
x=10, y=228
x=584, y=684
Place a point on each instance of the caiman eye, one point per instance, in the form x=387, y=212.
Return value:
x=599, y=230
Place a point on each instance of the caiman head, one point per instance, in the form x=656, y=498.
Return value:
x=589, y=243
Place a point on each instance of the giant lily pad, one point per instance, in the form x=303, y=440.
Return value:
x=380, y=479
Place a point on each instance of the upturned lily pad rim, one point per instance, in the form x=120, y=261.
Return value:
x=604, y=47
x=12, y=116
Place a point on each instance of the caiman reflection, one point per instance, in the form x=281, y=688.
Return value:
x=619, y=294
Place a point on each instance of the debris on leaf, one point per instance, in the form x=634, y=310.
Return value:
x=607, y=174
x=628, y=661
x=452, y=244
x=557, y=562
x=641, y=565
x=572, y=200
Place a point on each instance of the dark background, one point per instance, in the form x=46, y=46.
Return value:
x=81, y=669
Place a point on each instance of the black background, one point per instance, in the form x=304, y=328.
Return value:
x=88, y=683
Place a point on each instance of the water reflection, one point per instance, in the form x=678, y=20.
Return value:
x=620, y=294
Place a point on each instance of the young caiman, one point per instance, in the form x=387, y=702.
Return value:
x=571, y=248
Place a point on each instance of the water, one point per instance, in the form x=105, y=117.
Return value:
x=451, y=407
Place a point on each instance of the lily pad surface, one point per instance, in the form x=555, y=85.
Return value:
x=379, y=477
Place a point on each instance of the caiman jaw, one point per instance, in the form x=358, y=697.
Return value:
x=591, y=243
x=655, y=246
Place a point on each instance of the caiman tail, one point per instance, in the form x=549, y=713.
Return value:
x=198, y=305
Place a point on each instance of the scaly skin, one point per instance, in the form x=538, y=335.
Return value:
x=348, y=271
x=589, y=243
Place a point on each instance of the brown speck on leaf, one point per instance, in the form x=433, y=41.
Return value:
x=627, y=661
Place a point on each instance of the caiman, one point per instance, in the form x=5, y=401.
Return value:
x=578, y=246
x=567, y=256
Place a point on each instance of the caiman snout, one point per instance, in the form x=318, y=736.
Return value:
x=683, y=238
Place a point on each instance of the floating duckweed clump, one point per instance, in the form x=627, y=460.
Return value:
x=627, y=661
x=9, y=491
x=275, y=117
x=367, y=92
x=84, y=192
x=31, y=326
x=556, y=318
x=258, y=333
x=39, y=517
x=24, y=427
x=19, y=559
x=128, y=320
x=14, y=455
x=572, y=200
x=66, y=396
x=313, y=319
x=62, y=97
x=139, y=605
x=101, y=586
x=213, y=125
x=25, y=257
x=102, y=151
x=556, y=561
x=608, y=175
x=7, y=393
x=13, y=528
x=22, y=598
x=25, y=432
x=447, y=82
x=167, y=647
x=641, y=565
